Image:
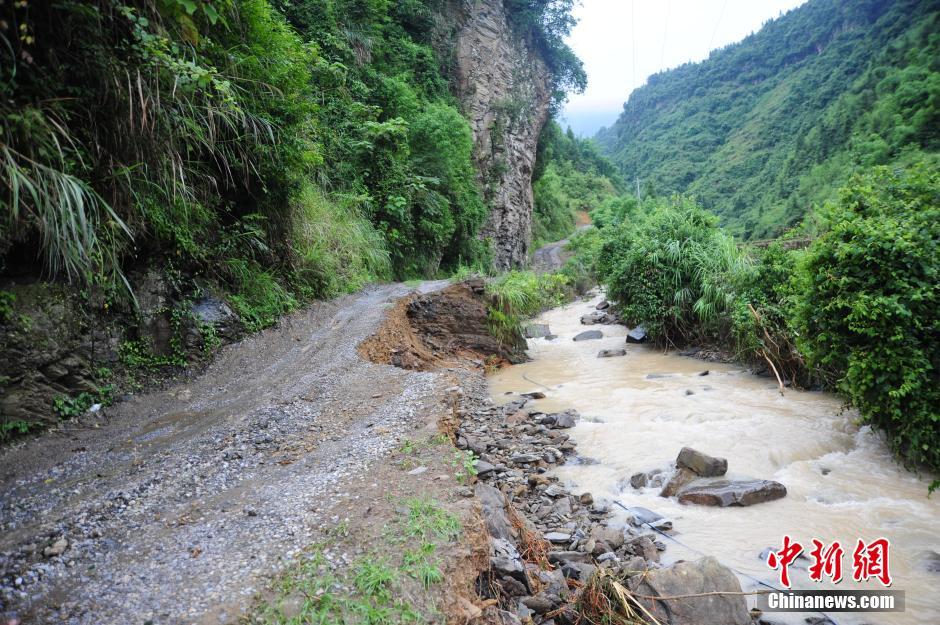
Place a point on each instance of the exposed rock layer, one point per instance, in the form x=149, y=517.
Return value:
x=505, y=90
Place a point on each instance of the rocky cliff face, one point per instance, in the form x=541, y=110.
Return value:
x=504, y=87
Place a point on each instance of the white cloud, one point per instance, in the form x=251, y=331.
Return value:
x=663, y=34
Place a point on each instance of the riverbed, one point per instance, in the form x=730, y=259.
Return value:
x=639, y=410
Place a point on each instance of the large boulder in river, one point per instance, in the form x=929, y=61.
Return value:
x=680, y=478
x=705, y=575
x=637, y=335
x=701, y=464
x=691, y=465
x=536, y=331
x=725, y=493
x=589, y=335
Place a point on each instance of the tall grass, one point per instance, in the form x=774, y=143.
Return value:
x=337, y=249
x=517, y=295
x=674, y=271
x=80, y=233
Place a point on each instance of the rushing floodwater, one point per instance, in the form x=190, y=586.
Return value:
x=842, y=483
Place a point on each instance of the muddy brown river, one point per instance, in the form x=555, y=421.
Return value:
x=842, y=482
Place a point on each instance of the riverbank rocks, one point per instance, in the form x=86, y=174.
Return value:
x=725, y=493
x=527, y=512
x=611, y=353
x=598, y=317
x=589, y=335
x=705, y=575
x=536, y=331
x=637, y=335
x=603, y=305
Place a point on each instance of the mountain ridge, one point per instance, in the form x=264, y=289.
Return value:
x=770, y=126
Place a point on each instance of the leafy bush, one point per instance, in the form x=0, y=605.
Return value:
x=518, y=295
x=451, y=214
x=867, y=305
x=761, y=317
x=674, y=271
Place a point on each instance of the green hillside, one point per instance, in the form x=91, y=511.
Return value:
x=769, y=127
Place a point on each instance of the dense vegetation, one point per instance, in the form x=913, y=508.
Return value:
x=768, y=127
x=571, y=176
x=286, y=149
x=856, y=310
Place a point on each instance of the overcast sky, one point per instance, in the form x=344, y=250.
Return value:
x=664, y=33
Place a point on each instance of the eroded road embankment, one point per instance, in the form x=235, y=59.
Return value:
x=177, y=506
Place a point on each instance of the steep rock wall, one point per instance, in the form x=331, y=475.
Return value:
x=505, y=89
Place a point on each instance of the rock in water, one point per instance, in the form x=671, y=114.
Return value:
x=637, y=335
x=690, y=578
x=731, y=492
x=589, y=335
x=597, y=317
x=680, y=478
x=536, y=331
x=561, y=420
x=611, y=353
x=603, y=305
x=702, y=464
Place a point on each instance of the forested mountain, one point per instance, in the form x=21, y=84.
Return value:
x=768, y=127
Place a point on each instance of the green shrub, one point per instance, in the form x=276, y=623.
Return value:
x=518, y=295
x=761, y=331
x=441, y=145
x=867, y=302
x=674, y=271
x=581, y=267
x=258, y=297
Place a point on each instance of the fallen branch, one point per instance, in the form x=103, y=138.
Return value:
x=763, y=352
x=771, y=363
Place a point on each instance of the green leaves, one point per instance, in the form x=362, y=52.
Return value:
x=867, y=304
x=674, y=271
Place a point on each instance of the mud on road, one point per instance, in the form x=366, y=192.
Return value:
x=178, y=506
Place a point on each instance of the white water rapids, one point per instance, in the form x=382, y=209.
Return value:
x=842, y=482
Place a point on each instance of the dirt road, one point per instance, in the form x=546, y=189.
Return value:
x=177, y=505
x=552, y=256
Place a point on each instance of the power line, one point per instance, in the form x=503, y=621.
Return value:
x=633, y=40
x=717, y=24
x=662, y=55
